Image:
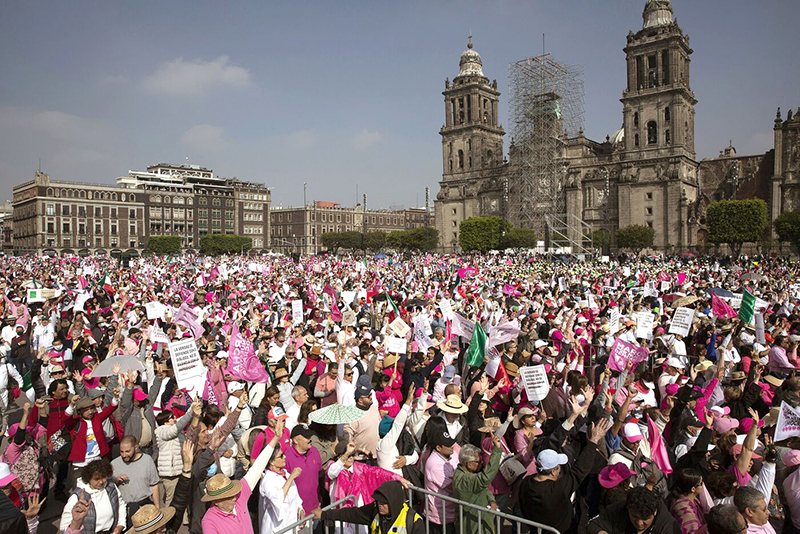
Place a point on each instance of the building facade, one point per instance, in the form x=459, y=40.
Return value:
x=645, y=173
x=60, y=217
x=299, y=230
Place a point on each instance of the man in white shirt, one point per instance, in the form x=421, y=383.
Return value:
x=43, y=334
x=299, y=395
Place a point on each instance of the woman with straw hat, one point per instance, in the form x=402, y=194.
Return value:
x=228, y=511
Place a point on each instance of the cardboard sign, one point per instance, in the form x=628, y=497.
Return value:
x=681, y=321
x=622, y=352
x=155, y=310
x=446, y=307
x=537, y=386
x=297, y=311
x=644, y=325
x=348, y=317
x=396, y=345
x=613, y=321
x=399, y=327
x=186, y=362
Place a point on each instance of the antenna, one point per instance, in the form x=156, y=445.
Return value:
x=40, y=163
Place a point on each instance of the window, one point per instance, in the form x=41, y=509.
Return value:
x=667, y=138
x=81, y=229
x=455, y=224
x=451, y=165
x=665, y=67
x=50, y=210
x=51, y=228
x=229, y=203
x=649, y=211
x=652, y=133
x=49, y=191
x=65, y=210
x=132, y=229
x=460, y=159
x=98, y=241
x=114, y=242
x=636, y=140
x=132, y=214
x=216, y=202
x=649, y=196
x=132, y=243
x=81, y=211
x=98, y=228
x=650, y=224
x=667, y=114
x=65, y=228
x=113, y=213
x=98, y=212
x=635, y=119
x=113, y=228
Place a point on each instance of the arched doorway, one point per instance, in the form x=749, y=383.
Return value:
x=702, y=240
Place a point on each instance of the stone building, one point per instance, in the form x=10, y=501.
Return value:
x=645, y=173
x=63, y=217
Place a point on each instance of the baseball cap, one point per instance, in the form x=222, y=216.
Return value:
x=235, y=386
x=277, y=414
x=791, y=458
x=302, y=430
x=725, y=424
x=449, y=373
x=444, y=439
x=737, y=450
x=550, y=459
x=676, y=363
x=139, y=394
x=631, y=432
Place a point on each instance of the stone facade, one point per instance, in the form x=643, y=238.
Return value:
x=645, y=173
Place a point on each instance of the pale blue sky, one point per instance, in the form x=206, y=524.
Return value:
x=340, y=93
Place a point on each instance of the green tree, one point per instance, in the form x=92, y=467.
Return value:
x=518, y=238
x=602, y=239
x=734, y=222
x=164, y=244
x=331, y=240
x=482, y=234
x=423, y=239
x=787, y=226
x=225, y=244
x=635, y=237
x=375, y=240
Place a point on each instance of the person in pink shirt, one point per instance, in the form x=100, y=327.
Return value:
x=276, y=419
x=440, y=467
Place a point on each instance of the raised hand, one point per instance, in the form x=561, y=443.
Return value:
x=35, y=503
x=599, y=429
x=187, y=455
x=77, y=376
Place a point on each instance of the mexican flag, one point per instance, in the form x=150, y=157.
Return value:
x=748, y=307
x=394, y=312
x=477, y=346
x=105, y=283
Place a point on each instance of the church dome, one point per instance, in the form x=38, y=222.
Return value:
x=617, y=137
x=470, y=63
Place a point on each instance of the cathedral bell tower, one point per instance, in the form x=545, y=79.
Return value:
x=471, y=136
x=658, y=103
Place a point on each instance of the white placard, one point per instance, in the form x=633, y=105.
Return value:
x=157, y=335
x=348, y=297
x=396, y=345
x=446, y=307
x=788, y=424
x=736, y=301
x=348, y=317
x=297, y=311
x=537, y=386
x=650, y=289
x=186, y=362
x=399, y=327
x=613, y=321
x=35, y=295
x=760, y=333
x=155, y=310
x=644, y=325
x=664, y=286
x=761, y=304
x=681, y=321
x=81, y=300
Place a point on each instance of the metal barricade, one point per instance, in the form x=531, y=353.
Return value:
x=498, y=517
x=295, y=527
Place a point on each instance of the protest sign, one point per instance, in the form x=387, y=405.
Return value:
x=297, y=311
x=81, y=300
x=644, y=325
x=622, y=352
x=35, y=295
x=348, y=317
x=537, y=386
x=788, y=422
x=664, y=286
x=157, y=335
x=399, y=327
x=446, y=307
x=420, y=335
x=613, y=321
x=348, y=296
x=681, y=321
x=396, y=345
x=760, y=333
x=155, y=310
x=186, y=362
x=650, y=289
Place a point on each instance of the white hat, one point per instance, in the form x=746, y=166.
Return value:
x=539, y=343
x=631, y=432
x=582, y=319
x=235, y=386
x=676, y=363
x=330, y=355
x=550, y=459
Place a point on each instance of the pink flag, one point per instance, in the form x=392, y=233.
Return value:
x=214, y=274
x=187, y=294
x=622, y=351
x=188, y=319
x=657, y=448
x=84, y=282
x=242, y=360
x=336, y=314
x=211, y=297
x=209, y=394
x=721, y=308
x=681, y=278
x=461, y=326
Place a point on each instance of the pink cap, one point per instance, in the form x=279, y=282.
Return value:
x=747, y=423
x=737, y=450
x=631, y=432
x=87, y=359
x=791, y=458
x=139, y=394
x=612, y=475
x=725, y=424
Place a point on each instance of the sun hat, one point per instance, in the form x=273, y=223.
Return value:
x=452, y=404
x=539, y=343
x=83, y=403
x=631, y=432
x=490, y=424
x=149, y=518
x=390, y=359
x=6, y=476
x=773, y=381
x=512, y=369
x=95, y=393
x=703, y=366
x=738, y=375
x=221, y=487
x=725, y=424
x=549, y=459
x=517, y=421
x=612, y=476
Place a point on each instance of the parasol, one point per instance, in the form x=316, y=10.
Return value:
x=672, y=297
x=721, y=293
x=755, y=277
x=685, y=301
x=413, y=303
x=336, y=414
x=126, y=362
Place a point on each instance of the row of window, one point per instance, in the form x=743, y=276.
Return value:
x=254, y=196
x=67, y=226
x=83, y=211
x=66, y=242
x=90, y=195
x=166, y=199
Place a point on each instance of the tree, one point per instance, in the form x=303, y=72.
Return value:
x=635, y=237
x=518, y=238
x=423, y=239
x=787, y=226
x=331, y=240
x=375, y=241
x=482, y=234
x=602, y=239
x=224, y=244
x=164, y=244
x=735, y=222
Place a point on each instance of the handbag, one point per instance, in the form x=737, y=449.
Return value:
x=511, y=468
x=61, y=444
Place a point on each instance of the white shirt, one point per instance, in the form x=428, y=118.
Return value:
x=8, y=333
x=43, y=336
x=387, y=445
x=102, y=506
x=7, y=369
x=345, y=391
x=293, y=412
x=274, y=510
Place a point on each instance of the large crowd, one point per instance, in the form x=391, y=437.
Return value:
x=244, y=394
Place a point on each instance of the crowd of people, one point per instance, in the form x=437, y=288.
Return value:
x=650, y=395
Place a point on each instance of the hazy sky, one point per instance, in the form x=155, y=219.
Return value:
x=340, y=94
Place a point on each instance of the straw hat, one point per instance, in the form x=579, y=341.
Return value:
x=221, y=487
x=281, y=372
x=389, y=360
x=149, y=518
x=490, y=424
x=512, y=369
x=452, y=404
x=773, y=381
x=517, y=421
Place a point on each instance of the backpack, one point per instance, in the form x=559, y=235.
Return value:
x=26, y=467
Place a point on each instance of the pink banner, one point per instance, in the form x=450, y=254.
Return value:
x=242, y=360
x=622, y=351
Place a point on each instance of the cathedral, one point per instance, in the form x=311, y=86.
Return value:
x=645, y=173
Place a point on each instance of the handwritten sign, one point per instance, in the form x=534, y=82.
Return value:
x=396, y=345
x=155, y=310
x=400, y=327
x=537, y=386
x=186, y=362
x=348, y=317
x=681, y=321
x=446, y=307
x=297, y=311
x=613, y=321
x=644, y=325
x=622, y=352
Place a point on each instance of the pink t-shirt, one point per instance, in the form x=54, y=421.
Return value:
x=215, y=521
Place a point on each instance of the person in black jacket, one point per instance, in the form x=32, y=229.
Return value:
x=544, y=497
x=641, y=512
x=388, y=513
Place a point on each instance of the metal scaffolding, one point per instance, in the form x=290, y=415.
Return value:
x=546, y=107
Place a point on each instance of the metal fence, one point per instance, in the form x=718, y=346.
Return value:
x=303, y=525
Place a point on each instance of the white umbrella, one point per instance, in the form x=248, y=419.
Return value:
x=126, y=363
x=336, y=414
